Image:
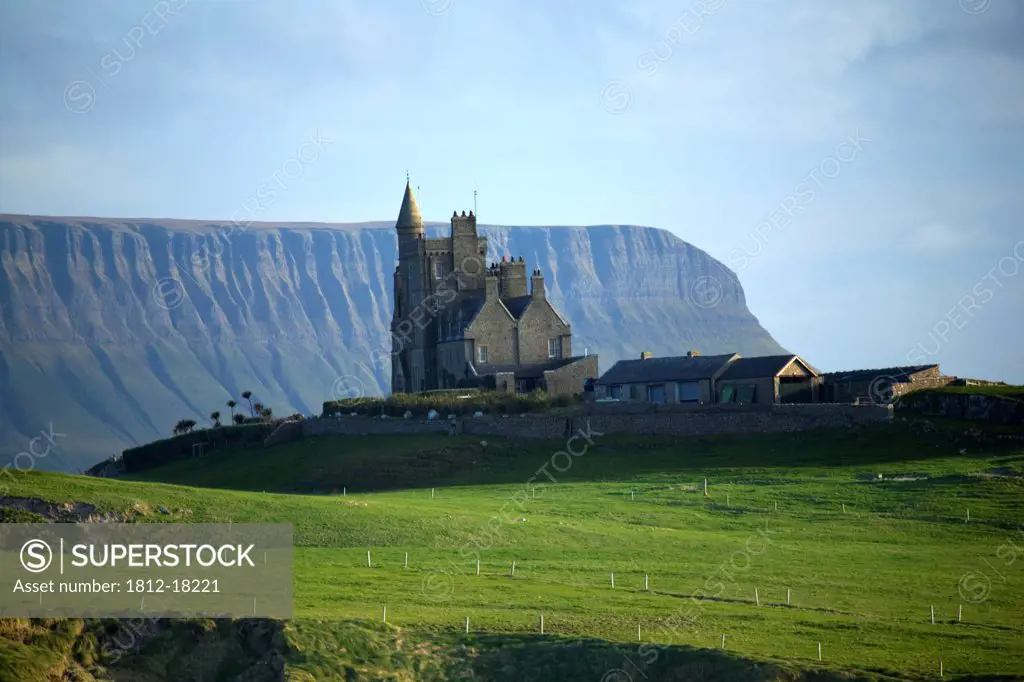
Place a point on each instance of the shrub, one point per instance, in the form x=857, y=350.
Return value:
x=180, y=447
x=447, y=402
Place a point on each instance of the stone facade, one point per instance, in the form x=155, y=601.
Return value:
x=457, y=319
x=991, y=408
x=637, y=419
x=570, y=378
x=882, y=385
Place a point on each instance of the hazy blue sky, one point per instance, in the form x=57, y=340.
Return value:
x=733, y=130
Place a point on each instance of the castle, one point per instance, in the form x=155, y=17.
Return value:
x=460, y=322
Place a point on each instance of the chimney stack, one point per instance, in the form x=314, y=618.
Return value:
x=491, y=286
x=645, y=355
x=693, y=354
x=537, y=285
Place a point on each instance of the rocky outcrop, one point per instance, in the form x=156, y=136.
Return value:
x=115, y=329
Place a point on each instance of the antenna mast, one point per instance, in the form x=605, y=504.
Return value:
x=474, y=199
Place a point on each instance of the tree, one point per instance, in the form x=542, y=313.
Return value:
x=188, y=424
x=267, y=413
x=239, y=418
x=179, y=428
x=232, y=404
x=247, y=395
x=257, y=409
x=215, y=416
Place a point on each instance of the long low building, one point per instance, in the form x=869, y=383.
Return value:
x=712, y=379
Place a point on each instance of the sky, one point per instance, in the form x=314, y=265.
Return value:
x=859, y=165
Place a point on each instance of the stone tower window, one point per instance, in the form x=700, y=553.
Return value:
x=438, y=270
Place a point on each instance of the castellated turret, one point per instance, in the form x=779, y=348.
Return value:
x=466, y=256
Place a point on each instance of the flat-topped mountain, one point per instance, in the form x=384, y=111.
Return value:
x=112, y=330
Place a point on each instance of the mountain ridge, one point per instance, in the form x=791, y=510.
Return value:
x=113, y=329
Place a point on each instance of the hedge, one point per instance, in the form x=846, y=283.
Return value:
x=180, y=447
x=459, y=402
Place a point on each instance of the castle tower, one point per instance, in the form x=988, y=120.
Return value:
x=406, y=338
x=466, y=255
x=410, y=223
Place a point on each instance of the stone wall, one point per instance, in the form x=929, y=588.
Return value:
x=920, y=383
x=568, y=380
x=636, y=419
x=965, y=406
x=371, y=426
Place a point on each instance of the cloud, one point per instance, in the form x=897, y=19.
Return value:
x=944, y=237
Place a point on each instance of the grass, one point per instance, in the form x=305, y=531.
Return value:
x=861, y=581
x=1002, y=391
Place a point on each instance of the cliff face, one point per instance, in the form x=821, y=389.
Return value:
x=113, y=330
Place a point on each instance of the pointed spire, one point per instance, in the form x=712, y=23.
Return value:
x=409, y=216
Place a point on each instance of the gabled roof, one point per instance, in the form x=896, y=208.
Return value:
x=683, y=368
x=517, y=305
x=900, y=375
x=763, y=366
x=527, y=371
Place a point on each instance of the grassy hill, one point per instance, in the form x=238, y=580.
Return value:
x=860, y=581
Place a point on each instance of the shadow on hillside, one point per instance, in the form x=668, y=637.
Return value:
x=337, y=465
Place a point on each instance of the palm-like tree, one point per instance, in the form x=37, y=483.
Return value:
x=232, y=404
x=179, y=428
x=267, y=413
x=215, y=416
x=239, y=418
x=247, y=395
x=257, y=409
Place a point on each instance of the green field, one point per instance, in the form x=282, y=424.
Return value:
x=860, y=581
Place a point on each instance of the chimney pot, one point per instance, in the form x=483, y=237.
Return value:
x=645, y=355
x=693, y=353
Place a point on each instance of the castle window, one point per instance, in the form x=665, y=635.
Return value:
x=438, y=270
x=555, y=348
x=481, y=353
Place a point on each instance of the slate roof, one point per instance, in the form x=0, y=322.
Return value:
x=470, y=307
x=517, y=305
x=529, y=371
x=757, y=367
x=681, y=368
x=898, y=374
